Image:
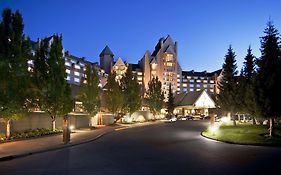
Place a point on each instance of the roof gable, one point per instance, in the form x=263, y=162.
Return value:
x=199, y=99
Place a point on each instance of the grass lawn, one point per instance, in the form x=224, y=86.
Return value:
x=245, y=134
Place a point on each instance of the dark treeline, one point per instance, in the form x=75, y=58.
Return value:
x=257, y=90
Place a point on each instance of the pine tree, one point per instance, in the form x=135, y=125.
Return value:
x=14, y=52
x=89, y=91
x=170, y=103
x=247, y=92
x=131, y=92
x=154, y=96
x=49, y=68
x=113, y=96
x=227, y=97
x=268, y=76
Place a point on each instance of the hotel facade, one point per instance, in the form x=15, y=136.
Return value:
x=162, y=62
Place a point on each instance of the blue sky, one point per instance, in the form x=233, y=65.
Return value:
x=203, y=28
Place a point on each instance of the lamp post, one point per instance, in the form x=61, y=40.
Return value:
x=66, y=130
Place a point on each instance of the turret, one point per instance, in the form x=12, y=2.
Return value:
x=106, y=59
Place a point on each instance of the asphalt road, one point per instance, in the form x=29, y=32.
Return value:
x=166, y=148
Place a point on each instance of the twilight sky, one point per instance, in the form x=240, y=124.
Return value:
x=203, y=28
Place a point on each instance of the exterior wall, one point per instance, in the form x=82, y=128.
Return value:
x=42, y=120
x=146, y=69
x=106, y=62
x=194, y=82
x=120, y=68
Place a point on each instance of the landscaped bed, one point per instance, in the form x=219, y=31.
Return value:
x=29, y=134
x=245, y=134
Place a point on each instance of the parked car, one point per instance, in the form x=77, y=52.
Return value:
x=189, y=117
x=182, y=118
x=172, y=119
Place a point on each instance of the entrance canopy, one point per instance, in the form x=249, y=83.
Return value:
x=193, y=103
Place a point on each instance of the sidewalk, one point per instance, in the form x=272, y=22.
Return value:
x=15, y=149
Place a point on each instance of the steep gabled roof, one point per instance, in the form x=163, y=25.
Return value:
x=153, y=61
x=120, y=62
x=187, y=99
x=170, y=50
x=106, y=51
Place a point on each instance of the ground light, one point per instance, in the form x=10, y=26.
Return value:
x=213, y=129
x=71, y=127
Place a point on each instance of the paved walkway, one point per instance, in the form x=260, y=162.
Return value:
x=26, y=147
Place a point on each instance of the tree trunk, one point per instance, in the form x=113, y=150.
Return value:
x=8, y=129
x=53, y=123
x=212, y=120
x=270, y=127
x=239, y=118
x=244, y=119
x=254, y=121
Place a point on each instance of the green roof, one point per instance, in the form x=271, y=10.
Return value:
x=106, y=51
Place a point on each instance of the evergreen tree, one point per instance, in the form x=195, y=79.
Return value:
x=228, y=85
x=49, y=67
x=113, y=96
x=170, y=103
x=89, y=91
x=247, y=92
x=268, y=76
x=14, y=53
x=131, y=92
x=154, y=96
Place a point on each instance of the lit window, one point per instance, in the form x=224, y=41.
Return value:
x=202, y=78
x=68, y=78
x=67, y=71
x=178, y=75
x=191, y=81
x=195, y=77
x=77, y=80
x=76, y=73
x=191, y=85
x=198, y=89
x=169, y=64
x=191, y=90
x=211, y=90
x=77, y=66
x=205, y=81
x=198, y=85
x=67, y=63
x=198, y=81
x=184, y=80
x=178, y=89
x=205, y=86
x=188, y=77
x=178, y=80
x=139, y=73
x=184, y=85
x=140, y=78
x=212, y=81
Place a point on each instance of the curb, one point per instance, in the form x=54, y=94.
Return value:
x=241, y=144
x=11, y=157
